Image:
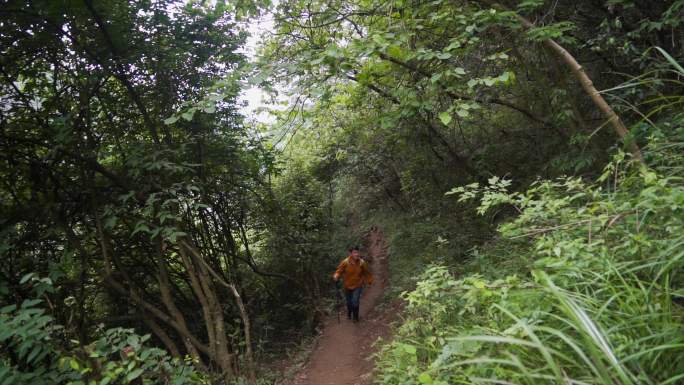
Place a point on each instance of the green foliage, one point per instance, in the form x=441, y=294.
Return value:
x=121, y=357
x=130, y=169
x=596, y=299
x=296, y=239
x=132, y=182
x=37, y=350
x=555, y=31
x=25, y=338
x=401, y=101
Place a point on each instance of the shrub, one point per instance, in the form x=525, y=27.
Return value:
x=34, y=351
x=592, y=298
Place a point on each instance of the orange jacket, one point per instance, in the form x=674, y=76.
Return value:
x=355, y=273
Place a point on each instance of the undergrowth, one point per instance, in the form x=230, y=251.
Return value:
x=42, y=353
x=583, y=286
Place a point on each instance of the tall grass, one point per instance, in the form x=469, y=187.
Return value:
x=585, y=286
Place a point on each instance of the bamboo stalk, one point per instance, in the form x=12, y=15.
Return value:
x=588, y=86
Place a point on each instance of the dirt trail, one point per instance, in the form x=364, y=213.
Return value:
x=341, y=355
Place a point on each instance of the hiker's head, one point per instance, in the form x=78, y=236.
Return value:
x=354, y=251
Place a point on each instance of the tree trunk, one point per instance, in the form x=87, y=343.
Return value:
x=249, y=356
x=161, y=334
x=175, y=319
x=211, y=308
x=251, y=373
x=167, y=299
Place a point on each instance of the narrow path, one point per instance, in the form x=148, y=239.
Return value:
x=340, y=357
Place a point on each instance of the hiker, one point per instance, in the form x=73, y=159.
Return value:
x=356, y=275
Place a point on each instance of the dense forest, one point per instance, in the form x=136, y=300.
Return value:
x=524, y=159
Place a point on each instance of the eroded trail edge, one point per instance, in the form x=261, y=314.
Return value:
x=341, y=356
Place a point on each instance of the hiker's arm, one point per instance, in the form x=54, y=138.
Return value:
x=340, y=270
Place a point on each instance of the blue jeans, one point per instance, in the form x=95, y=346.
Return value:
x=353, y=297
